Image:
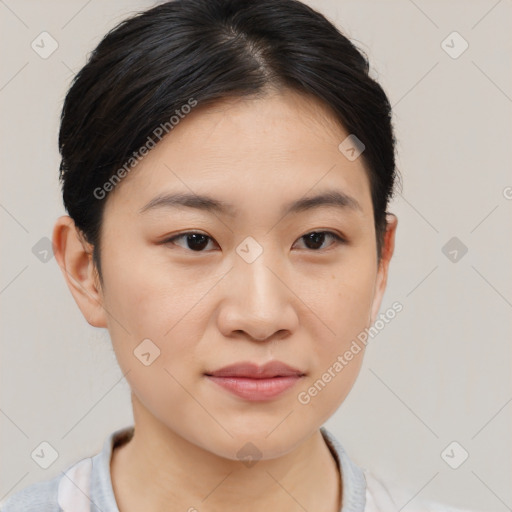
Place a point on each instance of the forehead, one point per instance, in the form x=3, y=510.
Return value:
x=252, y=152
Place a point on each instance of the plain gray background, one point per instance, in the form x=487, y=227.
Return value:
x=439, y=372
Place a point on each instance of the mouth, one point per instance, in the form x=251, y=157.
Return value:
x=256, y=383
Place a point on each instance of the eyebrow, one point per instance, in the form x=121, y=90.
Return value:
x=330, y=198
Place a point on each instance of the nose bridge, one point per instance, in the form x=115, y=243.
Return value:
x=258, y=301
x=257, y=280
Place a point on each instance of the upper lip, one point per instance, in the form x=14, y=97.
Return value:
x=252, y=370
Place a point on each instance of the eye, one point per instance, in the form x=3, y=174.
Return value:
x=316, y=239
x=194, y=241
x=198, y=241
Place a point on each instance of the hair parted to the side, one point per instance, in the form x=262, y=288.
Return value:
x=150, y=65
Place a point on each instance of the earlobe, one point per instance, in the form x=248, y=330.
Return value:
x=74, y=257
x=388, y=248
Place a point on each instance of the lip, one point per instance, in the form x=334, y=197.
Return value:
x=253, y=371
x=256, y=383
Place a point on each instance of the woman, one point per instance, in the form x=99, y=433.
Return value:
x=226, y=167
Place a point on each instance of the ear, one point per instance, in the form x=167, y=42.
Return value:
x=74, y=256
x=388, y=247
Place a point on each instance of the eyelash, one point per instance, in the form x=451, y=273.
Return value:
x=337, y=238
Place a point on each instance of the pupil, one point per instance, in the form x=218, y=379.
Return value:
x=316, y=238
x=198, y=241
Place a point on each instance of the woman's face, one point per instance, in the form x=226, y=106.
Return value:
x=251, y=287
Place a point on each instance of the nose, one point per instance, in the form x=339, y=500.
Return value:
x=257, y=301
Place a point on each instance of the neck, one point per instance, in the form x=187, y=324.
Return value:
x=157, y=467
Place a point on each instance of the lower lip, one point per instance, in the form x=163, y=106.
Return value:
x=256, y=389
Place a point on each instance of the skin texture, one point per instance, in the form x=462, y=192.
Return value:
x=295, y=303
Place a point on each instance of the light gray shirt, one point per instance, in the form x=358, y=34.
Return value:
x=86, y=485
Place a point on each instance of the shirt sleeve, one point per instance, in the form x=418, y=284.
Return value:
x=37, y=497
x=379, y=498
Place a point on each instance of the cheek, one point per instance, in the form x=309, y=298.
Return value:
x=164, y=303
x=341, y=297
x=148, y=293
x=353, y=298
x=155, y=319
x=144, y=301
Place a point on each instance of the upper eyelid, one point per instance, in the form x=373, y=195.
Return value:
x=328, y=231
